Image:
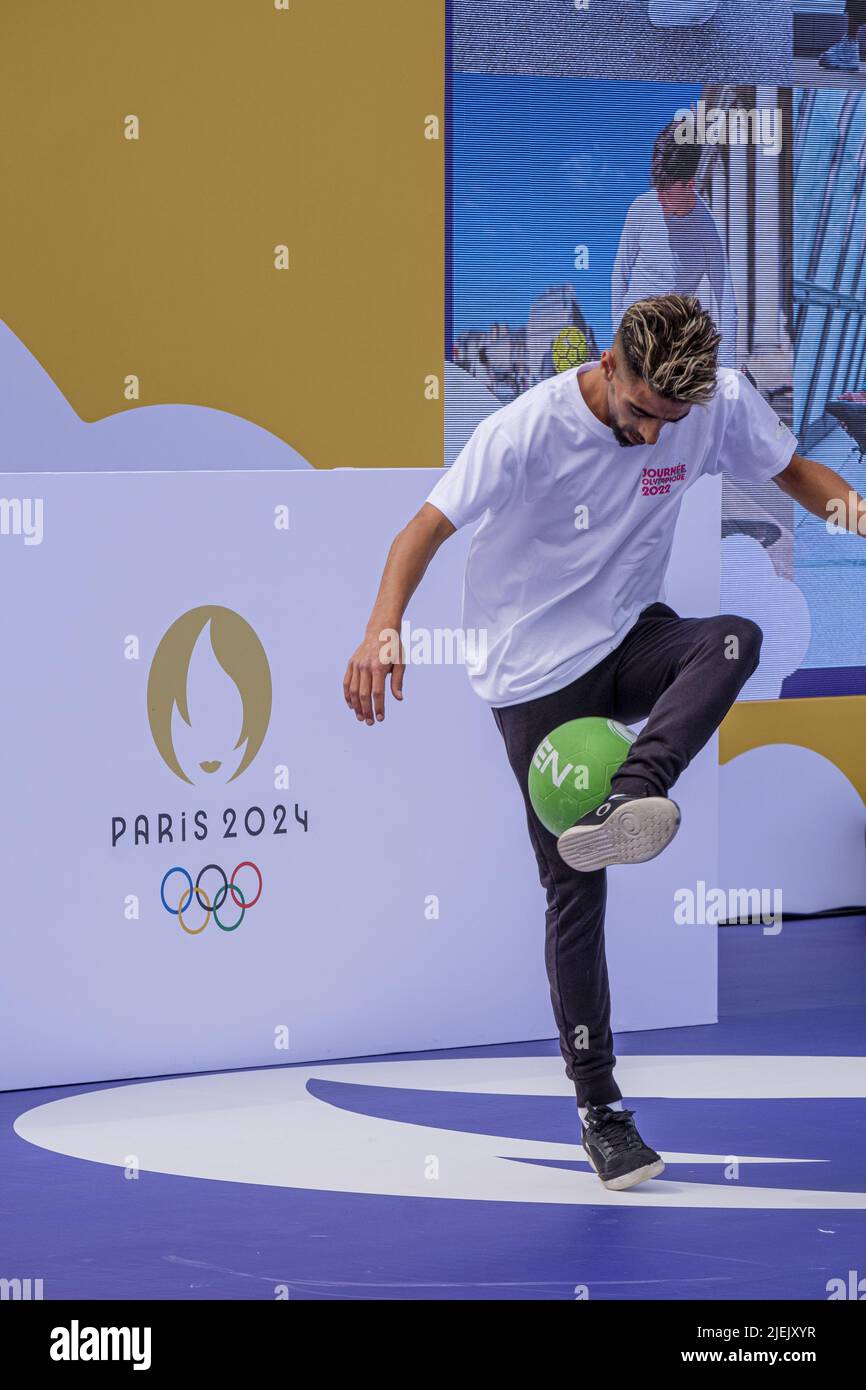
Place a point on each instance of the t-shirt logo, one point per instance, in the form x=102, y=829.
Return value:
x=654, y=482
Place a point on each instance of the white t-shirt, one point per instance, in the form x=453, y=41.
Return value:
x=576, y=531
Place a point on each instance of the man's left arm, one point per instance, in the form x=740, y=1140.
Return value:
x=823, y=492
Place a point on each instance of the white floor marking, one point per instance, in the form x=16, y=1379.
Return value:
x=265, y=1127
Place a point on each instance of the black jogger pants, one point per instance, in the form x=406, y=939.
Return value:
x=682, y=675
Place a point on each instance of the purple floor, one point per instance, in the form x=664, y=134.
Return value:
x=86, y=1234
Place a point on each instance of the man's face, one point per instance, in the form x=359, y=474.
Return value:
x=677, y=199
x=637, y=414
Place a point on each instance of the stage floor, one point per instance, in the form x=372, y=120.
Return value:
x=457, y=1175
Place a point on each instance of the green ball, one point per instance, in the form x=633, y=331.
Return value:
x=571, y=771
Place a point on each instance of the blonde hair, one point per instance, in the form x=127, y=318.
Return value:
x=672, y=344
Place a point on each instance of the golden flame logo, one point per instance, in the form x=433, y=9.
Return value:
x=239, y=652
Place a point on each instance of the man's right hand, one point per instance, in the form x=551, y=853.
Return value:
x=381, y=653
x=366, y=673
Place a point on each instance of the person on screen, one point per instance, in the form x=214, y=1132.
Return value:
x=844, y=56
x=669, y=14
x=670, y=242
x=574, y=626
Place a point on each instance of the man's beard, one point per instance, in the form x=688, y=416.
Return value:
x=621, y=438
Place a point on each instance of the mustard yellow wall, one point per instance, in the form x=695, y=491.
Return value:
x=258, y=127
x=834, y=727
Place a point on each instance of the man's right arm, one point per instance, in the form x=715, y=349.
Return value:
x=410, y=554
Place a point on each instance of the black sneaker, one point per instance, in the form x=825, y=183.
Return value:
x=616, y=1150
x=623, y=830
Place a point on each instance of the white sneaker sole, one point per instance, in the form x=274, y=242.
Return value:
x=838, y=67
x=627, y=1180
x=632, y=834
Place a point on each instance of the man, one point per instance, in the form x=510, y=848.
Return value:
x=844, y=56
x=670, y=242
x=575, y=627
x=667, y=14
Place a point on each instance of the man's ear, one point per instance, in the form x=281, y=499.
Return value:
x=608, y=363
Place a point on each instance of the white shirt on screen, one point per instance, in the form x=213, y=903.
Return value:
x=576, y=530
x=662, y=254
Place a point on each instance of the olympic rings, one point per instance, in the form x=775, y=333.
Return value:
x=222, y=925
x=201, y=875
x=176, y=870
x=248, y=864
x=211, y=907
x=192, y=931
